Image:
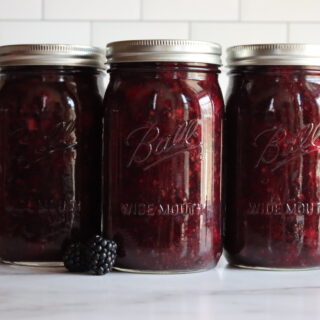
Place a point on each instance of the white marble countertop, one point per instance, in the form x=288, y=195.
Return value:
x=222, y=293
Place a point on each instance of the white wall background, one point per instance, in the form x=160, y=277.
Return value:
x=96, y=22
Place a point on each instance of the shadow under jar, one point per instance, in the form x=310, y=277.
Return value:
x=272, y=147
x=50, y=149
x=162, y=155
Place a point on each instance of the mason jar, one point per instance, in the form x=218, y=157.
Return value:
x=163, y=112
x=272, y=157
x=50, y=149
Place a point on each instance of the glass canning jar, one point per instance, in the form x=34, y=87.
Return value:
x=50, y=149
x=272, y=147
x=163, y=112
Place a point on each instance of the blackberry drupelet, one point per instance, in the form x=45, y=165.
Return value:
x=100, y=255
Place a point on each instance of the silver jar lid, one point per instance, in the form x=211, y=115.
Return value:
x=274, y=54
x=51, y=55
x=164, y=50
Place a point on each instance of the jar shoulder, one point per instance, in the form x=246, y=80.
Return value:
x=51, y=91
x=263, y=93
x=157, y=94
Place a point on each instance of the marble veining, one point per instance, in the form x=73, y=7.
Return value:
x=223, y=293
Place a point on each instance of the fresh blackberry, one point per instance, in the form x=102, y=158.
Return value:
x=73, y=258
x=100, y=255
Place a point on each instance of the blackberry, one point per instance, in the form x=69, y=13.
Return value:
x=73, y=258
x=100, y=255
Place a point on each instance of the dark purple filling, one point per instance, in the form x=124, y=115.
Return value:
x=50, y=151
x=162, y=166
x=272, y=154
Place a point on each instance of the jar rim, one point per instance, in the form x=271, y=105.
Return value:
x=51, y=55
x=164, y=50
x=291, y=54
